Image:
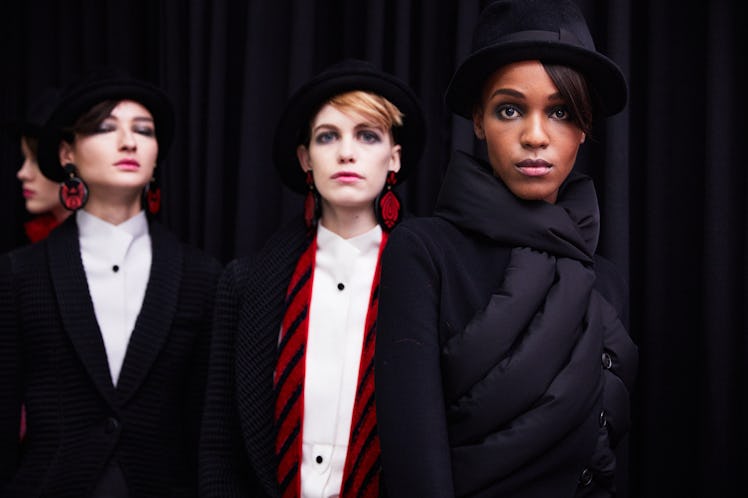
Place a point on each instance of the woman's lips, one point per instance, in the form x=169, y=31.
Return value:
x=128, y=164
x=534, y=167
x=346, y=177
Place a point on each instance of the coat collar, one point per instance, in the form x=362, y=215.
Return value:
x=474, y=199
x=79, y=320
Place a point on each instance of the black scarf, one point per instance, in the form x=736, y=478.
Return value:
x=473, y=198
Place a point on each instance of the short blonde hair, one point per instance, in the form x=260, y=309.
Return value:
x=378, y=109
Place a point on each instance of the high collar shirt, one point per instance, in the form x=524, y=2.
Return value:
x=341, y=291
x=117, y=262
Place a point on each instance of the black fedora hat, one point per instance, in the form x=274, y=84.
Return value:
x=95, y=87
x=344, y=76
x=37, y=113
x=552, y=31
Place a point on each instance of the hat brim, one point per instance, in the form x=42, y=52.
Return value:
x=605, y=79
x=310, y=97
x=83, y=97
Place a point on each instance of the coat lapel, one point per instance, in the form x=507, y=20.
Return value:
x=159, y=307
x=257, y=339
x=75, y=305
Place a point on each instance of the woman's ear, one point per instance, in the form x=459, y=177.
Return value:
x=478, y=123
x=584, y=137
x=66, y=153
x=395, y=158
x=302, y=154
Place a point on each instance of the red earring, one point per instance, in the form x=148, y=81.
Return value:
x=311, y=203
x=153, y=196
x=387, y=206
x=73, y=190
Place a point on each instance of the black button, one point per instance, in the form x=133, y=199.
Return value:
x=115, y=268
x=341, y=286
x=111, y=425
x=607, y=361
x=585, y=478
x=603, y=419
x=318, y=459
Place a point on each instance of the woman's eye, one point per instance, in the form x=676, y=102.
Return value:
x=325, y=137
x=369, y=137
x=507, y=111
x=560, y=113
x=105, y=127
x=147, y=131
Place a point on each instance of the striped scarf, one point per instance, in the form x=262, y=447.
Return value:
x=362, y=464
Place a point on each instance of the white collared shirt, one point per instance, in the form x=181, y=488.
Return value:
x=341, y=293
x=117, y=261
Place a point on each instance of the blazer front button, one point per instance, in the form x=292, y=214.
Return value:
x=111, y=425
x=585, y=478
x=607, y=361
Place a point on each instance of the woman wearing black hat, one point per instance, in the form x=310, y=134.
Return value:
x=104, y=324
x=290, y=407
x=503, y=366
x=41, y=194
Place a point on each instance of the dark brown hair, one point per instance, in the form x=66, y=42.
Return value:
x=88, y=122
x=574, y=90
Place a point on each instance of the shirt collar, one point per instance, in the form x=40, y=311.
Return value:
x=364, y=243
x=107, y=240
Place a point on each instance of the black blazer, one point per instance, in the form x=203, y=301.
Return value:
x=53, y=360
x=237, y=449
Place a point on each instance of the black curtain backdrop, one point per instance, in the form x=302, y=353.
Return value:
x=670, y=170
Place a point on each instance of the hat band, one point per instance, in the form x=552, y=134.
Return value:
x=562, y=35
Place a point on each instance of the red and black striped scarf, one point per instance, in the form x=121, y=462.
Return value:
x=362, y=463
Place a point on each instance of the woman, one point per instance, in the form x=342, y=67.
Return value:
x=105, y=323
x=502, y=364
x=289, y=408
x=41, y=194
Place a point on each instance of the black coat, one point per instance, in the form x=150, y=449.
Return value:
x=502, y=365
x=237, y=449
x=53, y=360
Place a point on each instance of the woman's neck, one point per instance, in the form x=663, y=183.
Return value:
x=348, y=223
x=112, y=211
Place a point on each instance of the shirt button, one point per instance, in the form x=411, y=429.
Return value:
x=607, y=361
x=115, y=268
x=603, y=419
x=341, y=286
x=319, y=459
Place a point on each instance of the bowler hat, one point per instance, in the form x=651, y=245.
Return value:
x=552, y=31
x=98, y=86
x=345, y=76
x=30, y=125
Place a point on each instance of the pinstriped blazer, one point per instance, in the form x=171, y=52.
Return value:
x=52, y=359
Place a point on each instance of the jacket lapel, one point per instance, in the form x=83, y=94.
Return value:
x=157, y=313
x=257, y=339
x=75, y=305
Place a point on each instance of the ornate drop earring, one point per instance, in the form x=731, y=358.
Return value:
x=73, y=190
x=387, y=206
x=311, y=203
x=152, y=196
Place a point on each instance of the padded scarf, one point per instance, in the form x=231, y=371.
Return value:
x=525, y=372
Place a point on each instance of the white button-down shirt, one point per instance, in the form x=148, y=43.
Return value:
x=341, y=293
x=117, y=261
